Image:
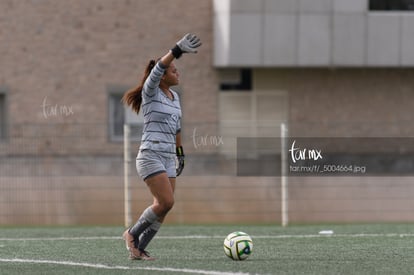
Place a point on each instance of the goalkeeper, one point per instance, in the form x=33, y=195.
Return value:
x=160, y=143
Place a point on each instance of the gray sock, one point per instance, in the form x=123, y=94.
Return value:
x=148, y=235
x=147, y=218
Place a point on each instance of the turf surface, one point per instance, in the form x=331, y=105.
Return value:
x=197, y=249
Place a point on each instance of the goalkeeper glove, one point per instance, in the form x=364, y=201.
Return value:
x=180, y=159
x=188, y=44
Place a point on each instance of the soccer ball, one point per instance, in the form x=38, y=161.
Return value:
x=238, y=246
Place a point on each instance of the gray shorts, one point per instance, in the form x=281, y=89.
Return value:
x=149, y=164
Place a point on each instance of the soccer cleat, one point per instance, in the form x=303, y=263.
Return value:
x=144, y=255
x=134, y=253
x=129, y=239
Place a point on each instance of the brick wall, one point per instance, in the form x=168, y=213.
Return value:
x=64, y=54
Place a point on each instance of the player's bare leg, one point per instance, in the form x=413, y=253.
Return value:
x=149, y=233
x=163, y=193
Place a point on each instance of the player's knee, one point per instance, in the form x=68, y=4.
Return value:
x=169, y=204
x=166, y=205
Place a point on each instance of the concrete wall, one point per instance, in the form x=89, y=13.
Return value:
x=345, y=102
x=310, y=33
x=207, y=199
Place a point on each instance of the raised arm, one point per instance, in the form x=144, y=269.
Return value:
x=188, y=44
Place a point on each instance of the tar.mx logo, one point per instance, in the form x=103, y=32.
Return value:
x=50, y=110
x=304, y=153
x=206, y=140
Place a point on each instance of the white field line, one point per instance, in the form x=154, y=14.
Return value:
x=118, y=267
x=362, y=235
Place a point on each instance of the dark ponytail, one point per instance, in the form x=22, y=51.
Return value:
x=133, y=96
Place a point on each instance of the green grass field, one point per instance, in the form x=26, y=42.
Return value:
x=179, y=249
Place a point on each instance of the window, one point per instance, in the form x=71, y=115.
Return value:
x=120, y=114
x=236, y=80
x=391, y=5
x=3, y=114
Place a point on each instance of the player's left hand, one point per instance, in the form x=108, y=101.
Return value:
x=188, y=44
x=180, y=158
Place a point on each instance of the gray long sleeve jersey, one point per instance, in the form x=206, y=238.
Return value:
x=162, y=116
